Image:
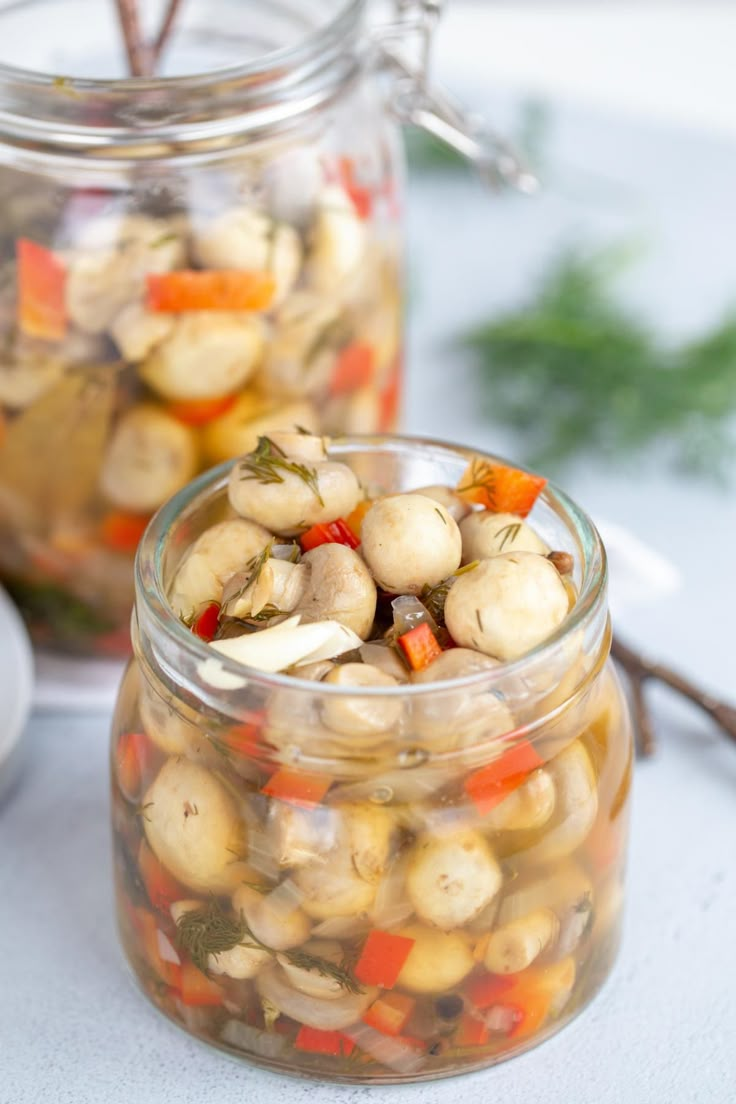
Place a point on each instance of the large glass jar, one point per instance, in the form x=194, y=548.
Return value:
x=185, y=261
x=297, y=847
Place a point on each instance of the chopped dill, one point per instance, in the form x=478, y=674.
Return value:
x=510, y=533
x=338, y=972
x=267, y=613
x=434, y=598
x=268, y=463
x=481, y=476
x=440, y=515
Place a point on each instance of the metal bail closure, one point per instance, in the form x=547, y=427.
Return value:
x=420, y=103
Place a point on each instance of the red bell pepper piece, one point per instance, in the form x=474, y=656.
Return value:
x=389, y=1013
x=489, y=786
x=133, y=757
x=192, y=290
x=361, y=196
x=198, y=412
x=499, y=488
x=390, y=399
x=162, y=888
x=196, y=989
x=316, y=1041
x=420, y=647
x=382, y=958
x=470, y=1032
x=205, y=625
x=122, y=531
x=41, y=291
x=298, y=787
x=332, y=532
x=354, y=368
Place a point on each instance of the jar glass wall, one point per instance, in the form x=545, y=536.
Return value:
x=256, y=814
x=186, y=261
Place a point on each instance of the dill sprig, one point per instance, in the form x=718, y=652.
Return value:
x=433, y=598
x=510, y=533
x=266, y=614
x=268, y=463
x=210, y=930
x=576, y=373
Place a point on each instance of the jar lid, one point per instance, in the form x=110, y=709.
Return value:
x=16, y=689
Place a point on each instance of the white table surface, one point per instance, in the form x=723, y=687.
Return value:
x=663, y=1031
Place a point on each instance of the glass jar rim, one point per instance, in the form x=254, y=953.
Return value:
x=343, y=20
x=155, y=613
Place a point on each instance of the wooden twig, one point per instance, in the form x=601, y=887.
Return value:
x=167, y=26
x=640, y=670
x=135, y=47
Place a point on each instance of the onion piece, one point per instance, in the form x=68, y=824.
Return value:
x=342, y=927
x=328, y=1015
x=244, y=1037
x=392, y=906
x=289, y=644
x=166, y=950
x=528, y=899
x=388, y=1050
x=410, y=612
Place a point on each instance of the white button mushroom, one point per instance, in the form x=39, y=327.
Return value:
x=332, y=887
x=150, y=456
x=208, y=354
x=286, y=495
x=446, y=719
x=339, y=587
x=339, y=240
x=528, y=806
x=437, y=962
x=368, y=833
x=301, y=354
x=216, y=555
x=576, y=806
x=136, y=331
x=456, y=507
x=487, y=534
x=193, y=826
x=243, y=238
x=515, y=945
x=240, y=962
x=506, y=605
x=278, y=584
x=299, y=836
x=26, y=374
x=252, y=416
x=273, y=919
x=410, y=541
x=360, y=718
x=109, y=266
x=314, y=981
x=164, y=725
x=452, y=878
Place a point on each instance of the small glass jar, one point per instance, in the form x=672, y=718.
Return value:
x=296, y=833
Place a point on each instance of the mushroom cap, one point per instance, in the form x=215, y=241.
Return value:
x=339, y=588
x=360, y=716
x=289, y=506
x=438, y=961
x=217, y=554
x=452, y=878
x=506, y=605
x=487, y=534
x=448, y=497
x=409, y=541
x=192, y=825
x=150, y=456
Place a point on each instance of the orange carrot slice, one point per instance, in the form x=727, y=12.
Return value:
x=500, y=488
x=227, y=290
x=41, y=291
x=488, y=786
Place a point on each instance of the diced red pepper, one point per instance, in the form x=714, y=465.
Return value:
x=354, y=368
x=316, y=1041
x=361, y=196
x=205, y=626
x=499, y=488
x=41, y=291
x=490, y=785
x=382, y=958
x=488, y=989
x=389, y=1013
x=298, y=787
x=471, y=1031
x=390, y=399
x=420, y=647
x=198, y=412
x=122, y=531
x=192, y=290
x=246, y=739
x=133, y=757
x=162, y=888
x=527, y=996
x=196, y=988
x=332, y=532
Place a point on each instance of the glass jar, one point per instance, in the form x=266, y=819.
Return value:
x=186, y=260
x=299, y=838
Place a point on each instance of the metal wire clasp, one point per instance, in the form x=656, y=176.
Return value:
x=405, y=49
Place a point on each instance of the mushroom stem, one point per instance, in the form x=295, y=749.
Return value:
x=639, y=670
